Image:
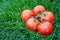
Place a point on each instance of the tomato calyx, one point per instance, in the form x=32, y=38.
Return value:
x=41, y=17
x=36, y=18
x=44, y=14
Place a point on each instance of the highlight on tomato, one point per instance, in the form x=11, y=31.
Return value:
x=37, y=9
x=45, y=28
x=32, y=24
x=26, y=14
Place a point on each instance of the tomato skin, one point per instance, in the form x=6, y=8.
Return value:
x=26, y=14
x=45, y=28
x=37, y=9
x=49, y=17
x=31, y=25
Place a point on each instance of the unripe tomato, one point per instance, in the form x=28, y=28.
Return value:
x=26, y=14
x=45, y=28
x=38, y=9
x=31, y=24
x=47, y=16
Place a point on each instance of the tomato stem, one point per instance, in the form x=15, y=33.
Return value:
x=37, y=18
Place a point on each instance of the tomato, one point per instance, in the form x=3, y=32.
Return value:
x=47, y=16
x=26, y=14
x=38, y=9
x=45, y=28
x=38, y=19
x=31, y=24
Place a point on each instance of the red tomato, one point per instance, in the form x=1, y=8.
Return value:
x=26, y=14
x=47, y=16
x=38, y=9
x=31, y=25
x=45, y=28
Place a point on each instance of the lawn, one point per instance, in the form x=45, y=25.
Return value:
x=12, y=27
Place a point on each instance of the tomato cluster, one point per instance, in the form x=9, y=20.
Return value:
x=38, y=19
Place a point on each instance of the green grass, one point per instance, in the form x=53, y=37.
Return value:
x=13, y=28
